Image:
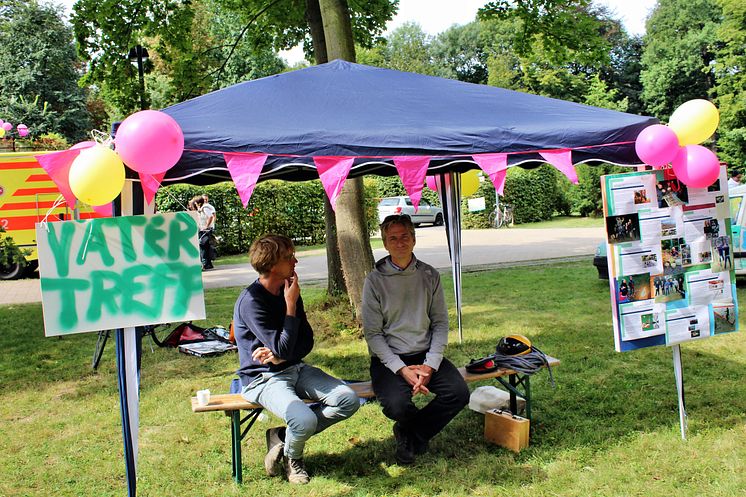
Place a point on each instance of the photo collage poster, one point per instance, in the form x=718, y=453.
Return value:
x=670, y=257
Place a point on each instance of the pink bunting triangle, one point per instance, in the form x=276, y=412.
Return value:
x=245, y=170
x=333, y=172
x=150, y=184
x=562, y=160
x=106, y=210
x=57, y=166
x=412, y=171
x=496, y=167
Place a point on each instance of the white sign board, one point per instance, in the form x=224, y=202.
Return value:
x=106, y=273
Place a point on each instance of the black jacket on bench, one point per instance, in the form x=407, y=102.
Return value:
x=260, y=320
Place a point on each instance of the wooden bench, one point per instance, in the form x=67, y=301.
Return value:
x=517, y=384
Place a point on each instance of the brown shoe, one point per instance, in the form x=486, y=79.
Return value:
x=275, y=449
x=296, y=471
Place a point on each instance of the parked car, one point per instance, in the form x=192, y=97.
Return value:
x=403, y=205
x=737, y=197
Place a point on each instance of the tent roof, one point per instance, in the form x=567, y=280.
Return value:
x=346, y=109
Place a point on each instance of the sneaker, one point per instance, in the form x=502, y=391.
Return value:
x=275, y=449
x=296, y=471
x=404, y=447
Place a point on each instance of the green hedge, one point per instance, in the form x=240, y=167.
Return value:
x=292, y=209
x=534, y=193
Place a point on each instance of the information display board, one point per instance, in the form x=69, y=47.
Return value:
x=101, y=274
x=671, y=271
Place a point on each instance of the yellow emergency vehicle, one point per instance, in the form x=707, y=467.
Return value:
x=27, y=195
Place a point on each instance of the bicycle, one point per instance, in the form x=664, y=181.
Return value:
x=501, y=216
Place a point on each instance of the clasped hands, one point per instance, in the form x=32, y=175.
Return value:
x=418, y=376
x=265, y=356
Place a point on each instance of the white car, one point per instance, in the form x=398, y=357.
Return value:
x=403, y=205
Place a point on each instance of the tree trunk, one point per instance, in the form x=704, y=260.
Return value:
x=352, y=229
x=335, y=282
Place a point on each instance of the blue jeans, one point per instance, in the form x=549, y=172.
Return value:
x=282, y=392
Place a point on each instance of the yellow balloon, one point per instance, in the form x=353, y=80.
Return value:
x=2, y=132
x=469, y=183
x=97, y=175
x=694, y=121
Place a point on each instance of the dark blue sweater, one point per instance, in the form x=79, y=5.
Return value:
x=260, y=320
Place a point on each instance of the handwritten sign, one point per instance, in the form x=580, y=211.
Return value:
x=107, y=273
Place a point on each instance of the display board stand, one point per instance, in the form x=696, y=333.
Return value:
x=679, y=375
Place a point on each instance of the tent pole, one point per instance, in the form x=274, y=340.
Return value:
x=449, y=186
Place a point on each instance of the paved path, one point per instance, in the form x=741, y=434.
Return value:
x=481, y=249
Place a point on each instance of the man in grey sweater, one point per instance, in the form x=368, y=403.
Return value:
x=405, y=322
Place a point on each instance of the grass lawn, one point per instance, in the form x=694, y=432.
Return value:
x=609, y=428
x=559, y=222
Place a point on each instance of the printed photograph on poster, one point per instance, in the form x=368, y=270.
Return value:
x=686, y=255
x=668, y=287
x=637, y=259
x=706, y=287
x=671, y=255
x=687, y=324
x=711, y=228
x=633, y=288
x=721, y=255
x=671, y=193
x=641, y=320
x=668, y=227
x=650, y=322
x=623, y=228
x=641, y=196
x=724, y=316
x=715, y=187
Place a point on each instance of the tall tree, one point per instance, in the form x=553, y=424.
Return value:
x=678, y=55
x=39, y=71
x=352, y=229
x=730, y=85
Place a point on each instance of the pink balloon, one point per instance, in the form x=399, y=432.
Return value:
x=22, y=130
x=430, y=180
x=7, y=126
x=149, y=142
x=657, y=145
x=696, y=166
x=85, y=144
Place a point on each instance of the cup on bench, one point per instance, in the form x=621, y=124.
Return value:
x=203, y=397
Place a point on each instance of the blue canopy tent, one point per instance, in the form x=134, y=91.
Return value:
x=373, y=114
x=346, y=109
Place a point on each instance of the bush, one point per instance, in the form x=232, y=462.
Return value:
x=533, y=193
x=585, y=197
x=10, y=253
x=292, y=209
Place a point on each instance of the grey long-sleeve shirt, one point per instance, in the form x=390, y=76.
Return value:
x=404, y=312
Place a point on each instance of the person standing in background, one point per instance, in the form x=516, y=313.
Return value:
x=206, y=223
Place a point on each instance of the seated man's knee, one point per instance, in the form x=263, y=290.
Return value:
x=349, y=402
x=301, y=420
x=398, y=408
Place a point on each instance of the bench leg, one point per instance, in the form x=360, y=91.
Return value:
x=515, y=381
x=236, y=446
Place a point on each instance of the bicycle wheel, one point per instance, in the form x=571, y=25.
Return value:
x=508, y=218
x=103, y=336
x=491, y=219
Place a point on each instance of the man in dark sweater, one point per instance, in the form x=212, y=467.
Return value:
x=273, y=336
x=405, y=321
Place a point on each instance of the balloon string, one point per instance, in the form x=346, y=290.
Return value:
x=58, y=201
x=87, y=239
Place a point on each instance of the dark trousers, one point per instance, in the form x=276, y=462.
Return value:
x=395, y=396
x=205, y=247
